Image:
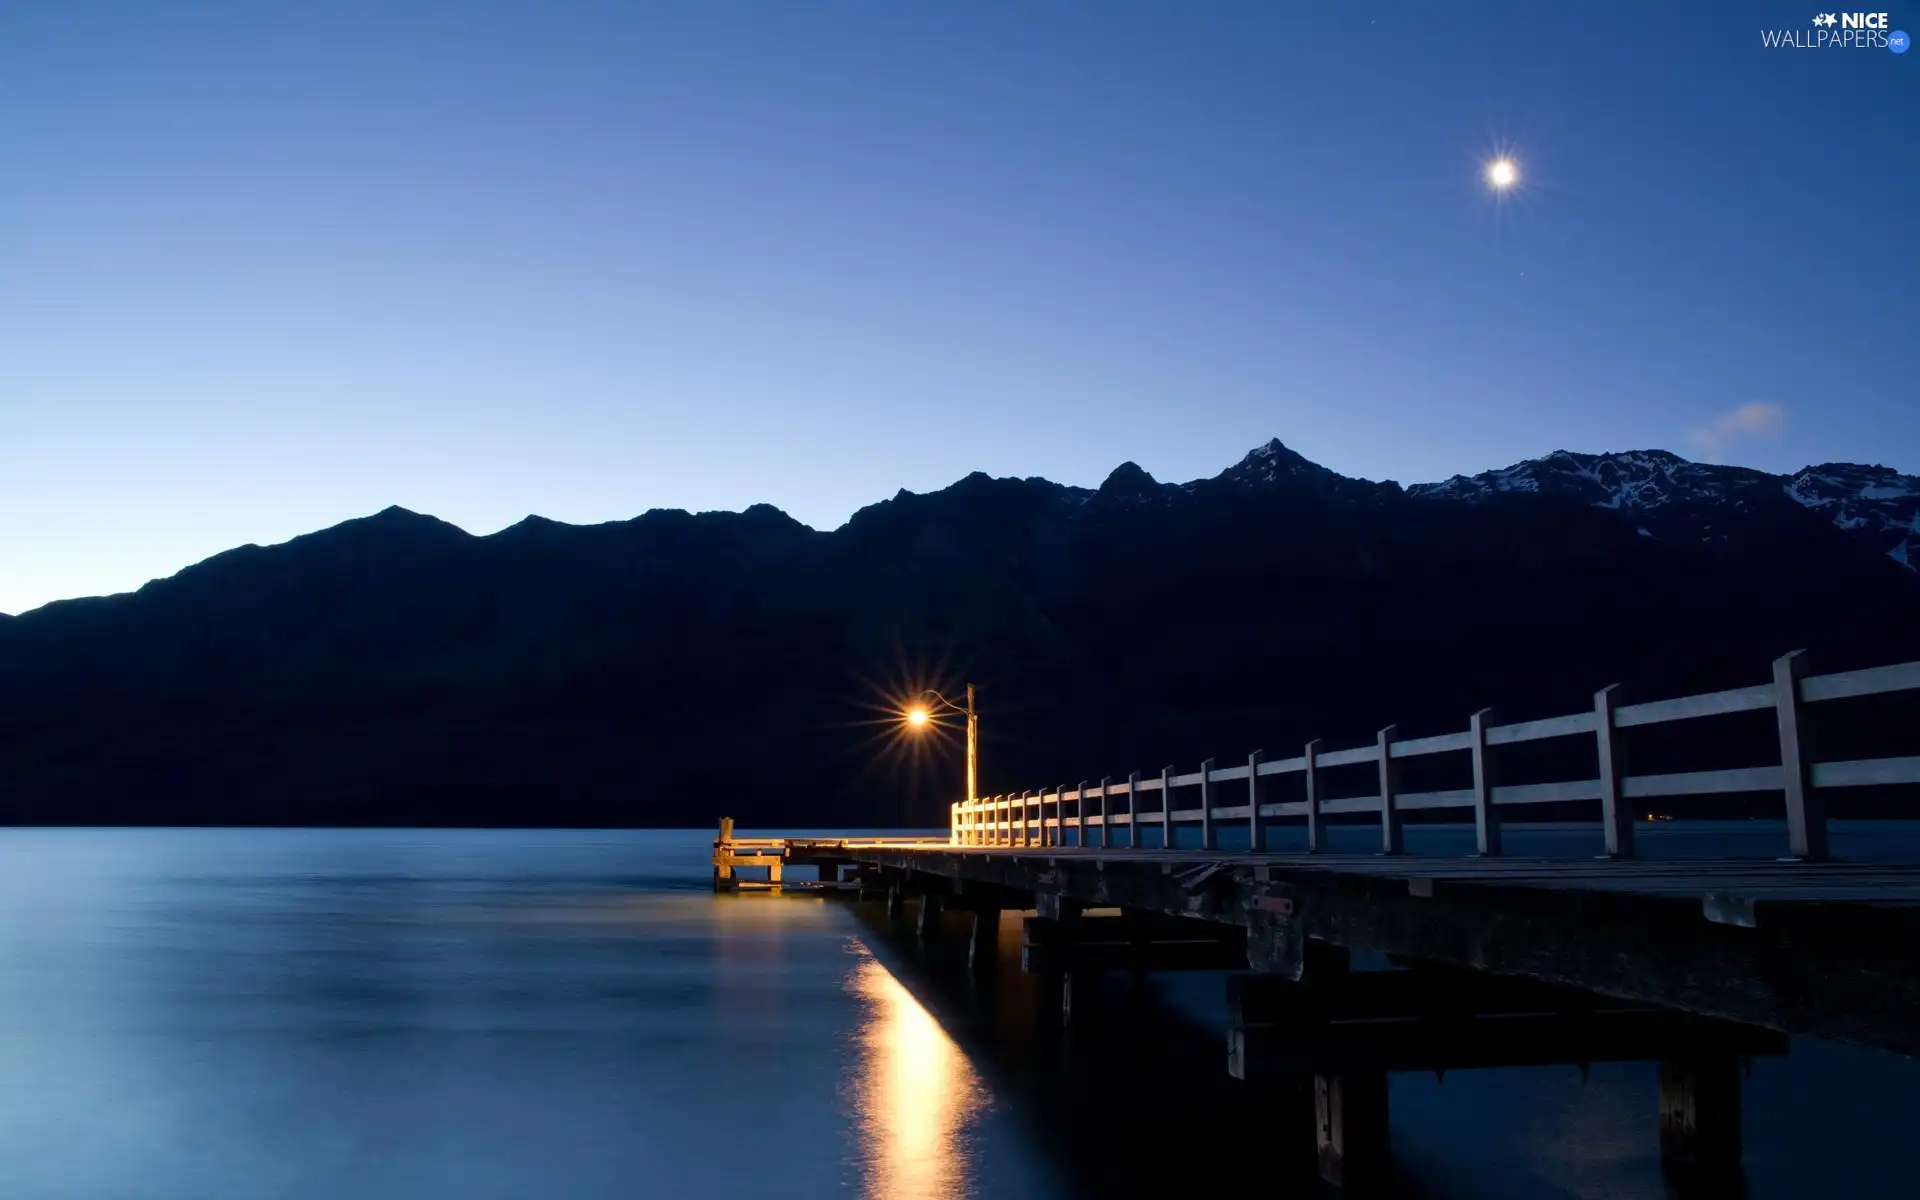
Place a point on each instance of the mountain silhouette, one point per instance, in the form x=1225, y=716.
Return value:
x=675, y=667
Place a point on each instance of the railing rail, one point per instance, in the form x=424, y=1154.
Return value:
x=1023, y=820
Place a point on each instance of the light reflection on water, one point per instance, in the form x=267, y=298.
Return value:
x=916, y=1095
x=404, y=1015
x=393, y=1014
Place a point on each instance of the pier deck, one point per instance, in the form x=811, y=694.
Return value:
x=1831, y=949
x=1695, y=963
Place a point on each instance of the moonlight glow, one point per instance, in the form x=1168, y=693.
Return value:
x=1502, y=174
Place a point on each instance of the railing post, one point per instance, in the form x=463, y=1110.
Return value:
x=1024, y=796
x=953, y=823
x=1392, y=839
x=1256, y=836
x=1059, y=834
x=1133, y=810
x=723, y=855
x=1486, y=818
x=1207, y=841
x=1106, y=826
x=1080, y=815
x=1616, y=819
x=1315, y=831
x=1166, y=807
x=1806, y=808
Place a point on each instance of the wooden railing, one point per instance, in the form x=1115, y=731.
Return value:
x=1022, y=820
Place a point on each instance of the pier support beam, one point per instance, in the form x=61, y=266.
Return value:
x=1429, y=1020
x=896, y=900
x=1700, y=1114
x=1323, y=964
x=1130, y=944
x=1350, y=1129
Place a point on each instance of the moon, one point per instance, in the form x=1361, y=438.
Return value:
x=1502, y=173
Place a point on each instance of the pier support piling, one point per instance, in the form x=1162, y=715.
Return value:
x=1700, y=1114
x=1056, y=908
x=983, y=948
x=1350, y=1129
x=927, y=924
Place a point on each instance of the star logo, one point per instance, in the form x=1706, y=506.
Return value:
x=1827, y=20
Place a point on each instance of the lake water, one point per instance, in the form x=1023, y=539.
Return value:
x=384, y=1014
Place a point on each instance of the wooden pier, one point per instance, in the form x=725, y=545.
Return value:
x=1697, y=964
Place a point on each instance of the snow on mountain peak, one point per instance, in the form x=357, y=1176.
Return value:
x=1872, y=501
x=1668, y=497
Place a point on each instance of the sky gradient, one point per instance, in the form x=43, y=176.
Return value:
x=265, y=267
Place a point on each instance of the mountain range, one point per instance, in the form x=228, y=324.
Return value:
x=675, y=667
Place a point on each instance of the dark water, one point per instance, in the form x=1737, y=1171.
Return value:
x=375, y=1014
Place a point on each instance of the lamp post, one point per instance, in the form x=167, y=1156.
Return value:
x=919, y=716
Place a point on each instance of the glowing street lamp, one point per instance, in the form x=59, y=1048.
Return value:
x=920, y=715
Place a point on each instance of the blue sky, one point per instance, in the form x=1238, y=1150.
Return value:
x=264, y=267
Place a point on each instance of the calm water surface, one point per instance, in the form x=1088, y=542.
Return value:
x=375, y=1014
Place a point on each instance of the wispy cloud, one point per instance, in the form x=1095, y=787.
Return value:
x=1752, y=420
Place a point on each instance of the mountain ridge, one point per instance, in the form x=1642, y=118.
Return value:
x=1878, y=503
x=675, y=666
